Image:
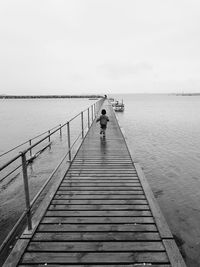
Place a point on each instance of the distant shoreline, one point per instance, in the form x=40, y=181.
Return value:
x=47, y=96
x=188, y=94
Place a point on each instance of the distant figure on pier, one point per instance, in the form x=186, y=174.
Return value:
x=103, y=119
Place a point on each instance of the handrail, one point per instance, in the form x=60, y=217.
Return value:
x=39, y=135
x=12, y=149
x=9, y=162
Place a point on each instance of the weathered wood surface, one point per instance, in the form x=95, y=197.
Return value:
x=96, y=246
x=97, y=265
x=94, y=257
x=102, y=214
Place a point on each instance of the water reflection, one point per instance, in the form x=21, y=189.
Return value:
x=103, y=145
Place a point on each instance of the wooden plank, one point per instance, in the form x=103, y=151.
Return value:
x=97, y=228
x=104, y=265
x=97, y=220
x=97, y=161
x=101, y=179
x=98, y=183
x=100, y=169
x=111, y=179
x=99, y=201
x=99, y=156
x=173, y=253
x=103, y=170
x=103, y=159
x=90, y=183
x=89, y=174
x=112, y=151
x=16, y=253
x=89, y=166
x=99, y=213
x=102, y=163
x=107, y=192
x=109, y=152
x=76, y=195
x=159, y=218
x=106, y=161
x=90, y=257
x=95, y=246
x=97, y=207
x=101, y=188
x=91, y=236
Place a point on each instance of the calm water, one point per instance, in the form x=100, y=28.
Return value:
x=164, y=132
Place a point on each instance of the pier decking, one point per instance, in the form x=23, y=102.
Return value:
x=102, y=213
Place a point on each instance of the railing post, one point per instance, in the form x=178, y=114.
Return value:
x=26, y=190
x=31, y=148
x=92, y=112
x=88, y=118
x=69, y=145
x=49, y=136
x=82, y=124
x=60, y=130
x=97, y=106
x=95, y=109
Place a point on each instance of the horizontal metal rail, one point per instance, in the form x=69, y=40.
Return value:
x=28, y=161
x=28, y=141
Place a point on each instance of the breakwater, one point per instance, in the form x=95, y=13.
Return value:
x=48, y=96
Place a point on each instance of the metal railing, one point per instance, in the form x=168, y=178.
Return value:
x=28, y=141
x=89, y=114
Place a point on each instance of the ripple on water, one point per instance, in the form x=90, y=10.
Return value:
x=164, y=131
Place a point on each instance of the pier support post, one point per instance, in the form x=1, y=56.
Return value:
x=26, y=190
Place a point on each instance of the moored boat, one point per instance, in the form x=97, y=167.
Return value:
x=119, y=106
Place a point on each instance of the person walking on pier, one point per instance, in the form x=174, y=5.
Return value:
x=103, y=119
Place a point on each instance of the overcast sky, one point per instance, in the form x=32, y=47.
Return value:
x=99, y=46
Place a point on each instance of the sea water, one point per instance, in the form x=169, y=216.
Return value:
x=164, y=133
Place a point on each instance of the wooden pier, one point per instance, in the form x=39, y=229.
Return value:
x=102, y=213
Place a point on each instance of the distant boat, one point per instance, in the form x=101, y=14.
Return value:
x=118, y=107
